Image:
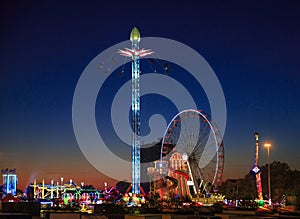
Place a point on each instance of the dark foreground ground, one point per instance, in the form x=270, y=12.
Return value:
x=77, y=215
x=33, y=211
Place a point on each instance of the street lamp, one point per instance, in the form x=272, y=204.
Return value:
x=269, y=170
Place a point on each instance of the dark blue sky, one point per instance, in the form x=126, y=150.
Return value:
x=252, y=46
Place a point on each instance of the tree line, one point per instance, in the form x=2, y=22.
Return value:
x=285, y=185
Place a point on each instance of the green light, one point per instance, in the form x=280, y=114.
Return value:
x=135, y=35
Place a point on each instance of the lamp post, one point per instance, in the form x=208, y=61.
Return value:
x=269, y=170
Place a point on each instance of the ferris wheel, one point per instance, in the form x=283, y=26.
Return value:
x=196, y=137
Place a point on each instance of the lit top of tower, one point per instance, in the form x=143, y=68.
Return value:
x=135, y=35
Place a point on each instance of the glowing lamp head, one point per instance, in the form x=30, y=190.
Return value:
x=135, y=35
x=256, y=135
x=267, y=145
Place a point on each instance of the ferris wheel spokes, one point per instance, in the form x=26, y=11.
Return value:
x=195, y=136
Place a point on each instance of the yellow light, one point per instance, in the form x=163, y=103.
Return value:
x=267, y=145
x=135, y=35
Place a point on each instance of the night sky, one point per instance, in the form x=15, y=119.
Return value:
x=252, y=46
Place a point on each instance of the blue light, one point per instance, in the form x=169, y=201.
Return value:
x=135, y=53
x=10, y=183
x=135, y=107
x=256, y=169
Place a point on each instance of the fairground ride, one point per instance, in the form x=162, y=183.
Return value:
x=192, y=153
x=256, y=169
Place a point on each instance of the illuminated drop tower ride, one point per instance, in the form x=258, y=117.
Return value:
x=135, y=53
x=256, y=169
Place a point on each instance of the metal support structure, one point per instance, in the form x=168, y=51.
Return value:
x=269, y=176
x=43, y=189
x=269, y=173
x=152, y=172
x=256, y=169
x=135, y=110
x=135, y=53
